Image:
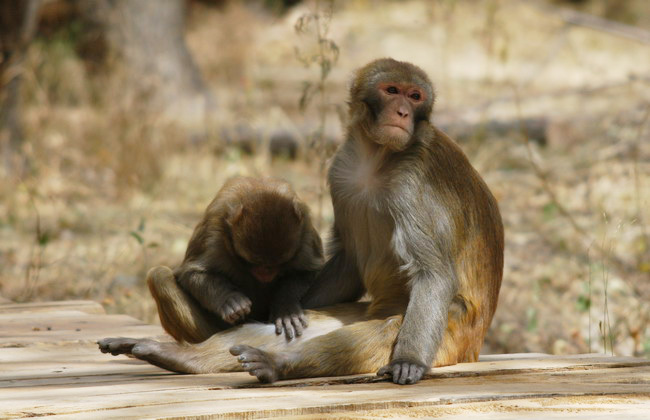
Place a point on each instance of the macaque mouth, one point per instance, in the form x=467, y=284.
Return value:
x=398, y=126
x=264, y=274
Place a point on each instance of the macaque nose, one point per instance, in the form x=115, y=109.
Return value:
x=402, y=112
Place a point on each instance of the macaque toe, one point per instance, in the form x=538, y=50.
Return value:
x=117, y=345
x=256, y=362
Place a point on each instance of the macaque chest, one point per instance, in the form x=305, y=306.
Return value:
x=367, y=234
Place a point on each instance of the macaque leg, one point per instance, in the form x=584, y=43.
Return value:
x=362, y=347
x=180, y=315
x=211, y=355
x=463, y=337
x=175, y=357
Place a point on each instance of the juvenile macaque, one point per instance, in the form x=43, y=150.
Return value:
x=252, y=257
x=415, y=226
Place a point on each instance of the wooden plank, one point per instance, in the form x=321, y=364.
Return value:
x=575, y=407
x=60, y=326
x=68, y=379
x=87, y=306
x=60, y=373
x=55, y=363
x=135, y=400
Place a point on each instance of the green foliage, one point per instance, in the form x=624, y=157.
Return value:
x=583, y=303
x=43, y=238
x=137, y=237
x=137, y=234
x=550, y=211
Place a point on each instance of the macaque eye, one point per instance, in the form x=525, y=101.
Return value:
x=392, y=90
x=416, y=96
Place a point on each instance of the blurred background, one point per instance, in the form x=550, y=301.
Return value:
x=119, y=121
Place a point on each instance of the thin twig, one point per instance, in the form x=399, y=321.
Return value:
x=32, y=273
x=637, y=181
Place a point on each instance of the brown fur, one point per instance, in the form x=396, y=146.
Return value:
x=415, y=227
x=252, y=224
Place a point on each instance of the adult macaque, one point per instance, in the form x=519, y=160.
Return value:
x=252, y=257
x=415, y=226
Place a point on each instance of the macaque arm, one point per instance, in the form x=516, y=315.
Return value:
x=432, y=285
x=213, y=291
x=286, y=310
x=292, y=287
x=425, y=320
x=423, y=327
x=337, y=282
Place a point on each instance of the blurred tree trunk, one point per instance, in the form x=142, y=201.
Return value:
x=147, y=38
x=17, y=25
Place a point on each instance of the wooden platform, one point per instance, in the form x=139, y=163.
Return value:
x=50, y=366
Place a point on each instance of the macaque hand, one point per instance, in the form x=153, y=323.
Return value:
x=289, y=318
x=235, y=308
x=403, y=372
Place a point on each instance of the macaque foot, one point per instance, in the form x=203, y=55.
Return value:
x=118, y=345
x=403, y=373
x=265, y=366
x=163, y=355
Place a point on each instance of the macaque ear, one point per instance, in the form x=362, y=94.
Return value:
x=235, y=213
x=284, y=189
x=298, y=210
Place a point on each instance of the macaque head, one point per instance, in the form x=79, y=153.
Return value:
x=388, y=98
x=266, y=229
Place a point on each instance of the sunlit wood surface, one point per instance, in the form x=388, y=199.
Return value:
x=50, y=366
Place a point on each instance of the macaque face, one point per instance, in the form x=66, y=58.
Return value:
x=398, y=97
x=397, y=115
x=266, y=235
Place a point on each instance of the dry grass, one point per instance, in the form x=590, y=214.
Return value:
x=112, y=192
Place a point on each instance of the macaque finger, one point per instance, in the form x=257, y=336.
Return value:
x=238, y=311
x=278, y=326
x=404, y=373
x=415, y=374
x=288, y=328
x=384, y=371
x=247, y=307
x=297, y=325
x=397, y=372
x=304, y=320
x=235, y=307
x=229, y=314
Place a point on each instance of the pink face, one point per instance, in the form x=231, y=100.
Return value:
x=396, y=122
